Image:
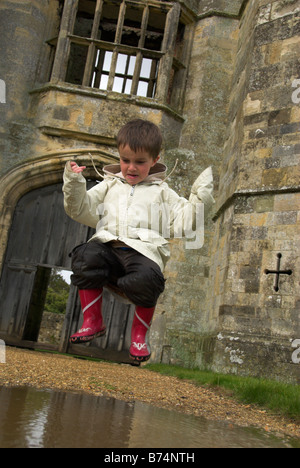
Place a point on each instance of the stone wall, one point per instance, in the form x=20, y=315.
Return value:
x=185, y=311
x=51, y=327
x=220, y=309
x=25, y=27
x=258, y=215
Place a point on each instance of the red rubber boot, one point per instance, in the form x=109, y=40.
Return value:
x=92, y=327
x=140, y=349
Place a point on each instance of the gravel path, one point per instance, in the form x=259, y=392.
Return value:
x=125, y=382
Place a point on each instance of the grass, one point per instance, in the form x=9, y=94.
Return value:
x=276, y=396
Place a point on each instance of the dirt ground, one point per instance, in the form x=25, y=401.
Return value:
x=125, y=382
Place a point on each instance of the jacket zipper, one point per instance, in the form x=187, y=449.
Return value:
x=132, y=190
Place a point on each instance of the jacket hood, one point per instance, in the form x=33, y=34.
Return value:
x=157, y=173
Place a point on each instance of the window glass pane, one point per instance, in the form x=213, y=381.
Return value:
x=121, y=63
x=97, y=58
x=131, y=66
x=107, y=61
x=142, y=89
x=128, y=87
x=146, y=68
x=101, y=70
x=103, y=82
x=118, y=84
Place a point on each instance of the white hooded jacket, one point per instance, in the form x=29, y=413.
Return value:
x=142, y=216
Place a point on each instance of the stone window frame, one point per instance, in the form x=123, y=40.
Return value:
x=172, y=66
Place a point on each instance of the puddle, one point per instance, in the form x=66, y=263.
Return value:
x=31, y=418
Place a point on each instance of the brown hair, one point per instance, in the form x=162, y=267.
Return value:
x=141, y=135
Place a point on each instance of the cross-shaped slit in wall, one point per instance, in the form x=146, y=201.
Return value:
x=278, y=272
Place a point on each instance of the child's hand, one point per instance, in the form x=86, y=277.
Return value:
x=77, y=169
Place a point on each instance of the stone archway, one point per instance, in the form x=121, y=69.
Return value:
x=40, y=237
x=38, y=172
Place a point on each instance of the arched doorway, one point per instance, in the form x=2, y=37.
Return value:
x=40, y=240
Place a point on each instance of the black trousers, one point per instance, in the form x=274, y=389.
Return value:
x=95, y=264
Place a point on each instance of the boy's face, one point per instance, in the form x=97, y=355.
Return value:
x=135, y=167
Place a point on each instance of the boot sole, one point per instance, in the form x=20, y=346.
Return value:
x=140, y=358
x=86, y=339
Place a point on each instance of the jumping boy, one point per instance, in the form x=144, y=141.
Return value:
x=129, y=250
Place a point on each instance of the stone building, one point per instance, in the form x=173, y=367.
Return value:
x=222, y=80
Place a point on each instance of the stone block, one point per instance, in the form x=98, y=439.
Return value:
x=277, y=30
x=284, y=8
x=219, y=7
x=287, y=202
x=264, y=204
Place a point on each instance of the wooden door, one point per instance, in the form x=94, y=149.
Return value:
x=41, y=238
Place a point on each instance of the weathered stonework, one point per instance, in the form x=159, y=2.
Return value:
x=257, y=210
x=240, y=113
x=261, y=206
x=51, y=327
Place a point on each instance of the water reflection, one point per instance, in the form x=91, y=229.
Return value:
x=31, y=418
